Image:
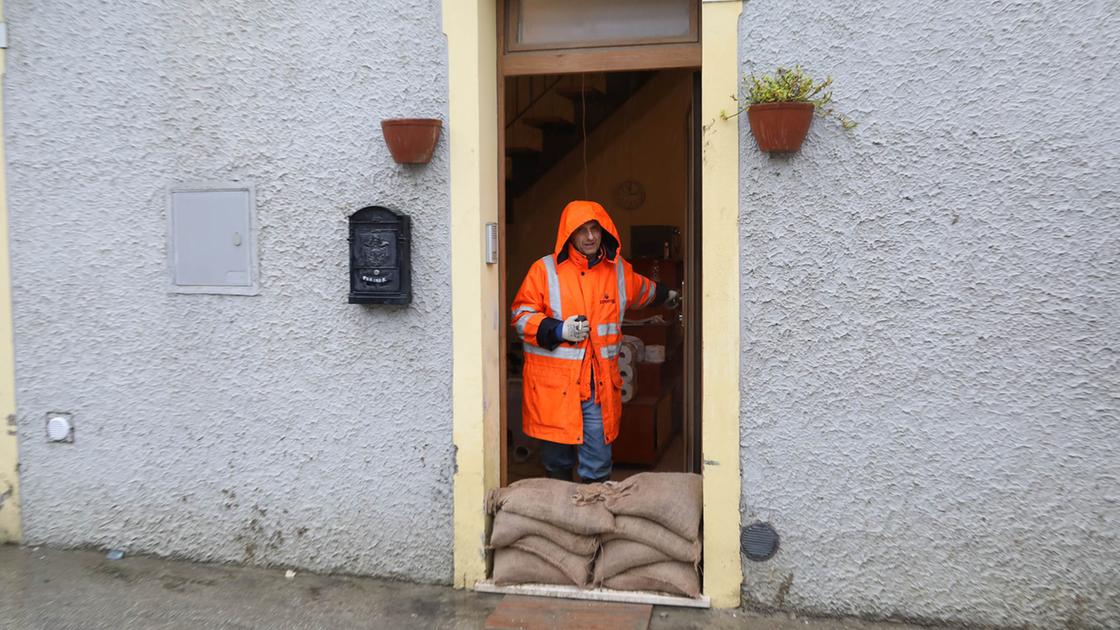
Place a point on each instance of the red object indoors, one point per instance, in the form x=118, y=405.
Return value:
x=780, y=126
x=411, y=140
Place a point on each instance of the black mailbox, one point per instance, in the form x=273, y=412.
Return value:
x=380, y=246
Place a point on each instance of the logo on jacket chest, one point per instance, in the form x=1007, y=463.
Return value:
x=606, y=299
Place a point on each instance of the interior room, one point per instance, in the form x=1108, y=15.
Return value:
x=625, y=140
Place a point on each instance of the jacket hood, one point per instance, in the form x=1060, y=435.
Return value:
x=576, y=214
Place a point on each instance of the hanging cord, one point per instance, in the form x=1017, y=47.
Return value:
x=583, y=125
x=629, y=136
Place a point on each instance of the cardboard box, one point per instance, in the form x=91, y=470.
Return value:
x=654, y=379
x=647, y=428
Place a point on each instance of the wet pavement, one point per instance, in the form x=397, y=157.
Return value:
x=58, y=590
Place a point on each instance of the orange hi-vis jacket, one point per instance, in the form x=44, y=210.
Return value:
x=558, y=286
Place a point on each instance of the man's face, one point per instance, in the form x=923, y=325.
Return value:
x=587, y=238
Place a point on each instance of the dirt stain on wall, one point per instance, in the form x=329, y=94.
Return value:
x=783, y=591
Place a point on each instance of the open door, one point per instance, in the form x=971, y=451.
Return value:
x=627, y=140
x=562, y=90
x=690, y=310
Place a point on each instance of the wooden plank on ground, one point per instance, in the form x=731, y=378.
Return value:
x=547, y=613
x=598, y=594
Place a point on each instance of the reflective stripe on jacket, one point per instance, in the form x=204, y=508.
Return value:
x=560, y=285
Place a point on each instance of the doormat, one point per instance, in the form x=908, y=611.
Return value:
x=547, y=613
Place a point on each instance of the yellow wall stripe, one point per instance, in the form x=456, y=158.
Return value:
x=10, y=530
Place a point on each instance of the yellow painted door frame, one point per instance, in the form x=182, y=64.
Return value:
x=10, y=530
x=719, y=307
x=478, y=312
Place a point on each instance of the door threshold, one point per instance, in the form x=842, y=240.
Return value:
x=597, y=595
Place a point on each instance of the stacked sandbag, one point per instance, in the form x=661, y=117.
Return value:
x=546, y=531
x=640, y=534
x=655, y=543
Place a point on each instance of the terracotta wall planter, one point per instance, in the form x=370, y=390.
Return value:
x=780, y=126
x=411, y=140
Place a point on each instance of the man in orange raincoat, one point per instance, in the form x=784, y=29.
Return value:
x=568, y=313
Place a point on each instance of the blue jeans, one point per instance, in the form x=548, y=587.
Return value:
x=594, y=453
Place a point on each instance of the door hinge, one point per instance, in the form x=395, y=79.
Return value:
x=3, y=35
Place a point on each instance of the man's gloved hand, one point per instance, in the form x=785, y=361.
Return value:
x=575, y=329
x=674, y=299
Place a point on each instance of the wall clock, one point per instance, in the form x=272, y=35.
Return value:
x=630, y=194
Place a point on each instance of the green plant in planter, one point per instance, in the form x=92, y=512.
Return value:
x=789, y=85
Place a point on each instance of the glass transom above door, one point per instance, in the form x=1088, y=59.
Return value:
x=554, y=24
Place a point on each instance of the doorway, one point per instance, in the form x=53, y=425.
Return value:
x=626, y=140
x=480, y=316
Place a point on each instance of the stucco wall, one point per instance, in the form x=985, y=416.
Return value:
x=288, y=428
x=931, y=314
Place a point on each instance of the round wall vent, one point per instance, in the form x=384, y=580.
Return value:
x=759, y=541
x=59, y=428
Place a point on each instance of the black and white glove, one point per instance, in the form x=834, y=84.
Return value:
x=674, y=299
x=575, y=329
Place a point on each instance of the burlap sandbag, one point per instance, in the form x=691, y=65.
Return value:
x=675, y=578
x=576, y=568
x=510, y=527
x=674, y=500
x=514, y=566
x=622, y=555
x=564, y=504
x=650, y=533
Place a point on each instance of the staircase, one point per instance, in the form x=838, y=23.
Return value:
x=545, y=118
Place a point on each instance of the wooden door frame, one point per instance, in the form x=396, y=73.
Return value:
x=691, y=285
x=479, y=315
x=627, y=56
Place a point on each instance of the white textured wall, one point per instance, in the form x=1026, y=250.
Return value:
x=931, y=314
x=289, y=428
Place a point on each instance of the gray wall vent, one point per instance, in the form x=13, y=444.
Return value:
x=759, y=541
